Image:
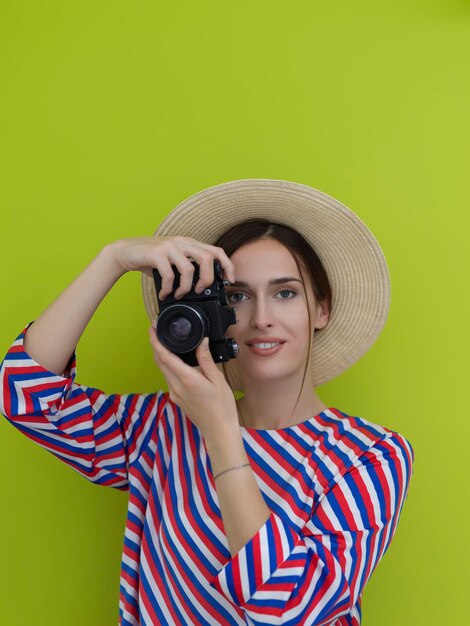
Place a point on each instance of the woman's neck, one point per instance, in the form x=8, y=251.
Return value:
x=264, y=412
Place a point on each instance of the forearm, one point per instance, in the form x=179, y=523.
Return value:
x=241, y=502
x=55, y=333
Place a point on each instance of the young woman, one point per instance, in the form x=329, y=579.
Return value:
x=267, y=509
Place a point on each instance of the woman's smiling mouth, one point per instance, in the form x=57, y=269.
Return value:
x=265, y=348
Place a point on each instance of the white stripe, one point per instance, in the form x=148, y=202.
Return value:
x=20, y=401
x=134, y=419
x=147, y=471
x=47, y=378
x=265, y=556
x=283, y=532
x=72, y=409
x=244, y=574
x=374, y=496
x=126, y=615
x=130, y=590
x=132, y=536
x=136, y=511
x=391, y=485
x=133, y=564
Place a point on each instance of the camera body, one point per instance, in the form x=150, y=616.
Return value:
x=182, y=324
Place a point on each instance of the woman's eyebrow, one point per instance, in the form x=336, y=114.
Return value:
x=273, y=281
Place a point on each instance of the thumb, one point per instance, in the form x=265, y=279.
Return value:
x=204, y=346
x=204, y=354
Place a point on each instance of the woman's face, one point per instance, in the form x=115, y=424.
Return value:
x=276, y=310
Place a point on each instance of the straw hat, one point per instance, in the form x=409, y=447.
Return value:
x=352, y=258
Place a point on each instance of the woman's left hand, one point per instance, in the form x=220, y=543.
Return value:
x=201, y=391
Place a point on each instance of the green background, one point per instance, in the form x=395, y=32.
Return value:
x=113, y=112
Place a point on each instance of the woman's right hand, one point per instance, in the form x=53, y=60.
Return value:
x=147, y=253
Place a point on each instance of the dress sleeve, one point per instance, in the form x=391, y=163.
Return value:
x=317, y=575
x=96, y=434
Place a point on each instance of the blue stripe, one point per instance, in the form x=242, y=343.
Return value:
x=129, y=600
x=188, y=534
x=286, y=487
x=125, y=419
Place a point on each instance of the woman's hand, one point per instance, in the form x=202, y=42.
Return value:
x=147, y=253
x=201, y=391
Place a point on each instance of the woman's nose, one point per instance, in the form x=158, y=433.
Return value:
x=262, y=315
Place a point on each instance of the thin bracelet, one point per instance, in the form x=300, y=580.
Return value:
x=230, y=468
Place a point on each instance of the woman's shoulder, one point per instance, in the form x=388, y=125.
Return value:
x=365, y=430
x=365, y=462
x=349, y=437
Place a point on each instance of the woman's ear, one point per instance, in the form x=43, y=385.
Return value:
x=322, y=314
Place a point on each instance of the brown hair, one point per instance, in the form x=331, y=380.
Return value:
x=301, y=251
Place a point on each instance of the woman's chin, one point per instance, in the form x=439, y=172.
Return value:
x=266, y=372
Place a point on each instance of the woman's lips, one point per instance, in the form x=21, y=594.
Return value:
x=266, y=351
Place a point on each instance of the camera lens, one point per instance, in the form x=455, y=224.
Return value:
x=180, y=327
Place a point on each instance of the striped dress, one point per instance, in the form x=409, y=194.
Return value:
x=335, y=485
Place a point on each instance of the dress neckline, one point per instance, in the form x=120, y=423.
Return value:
x=280, y=430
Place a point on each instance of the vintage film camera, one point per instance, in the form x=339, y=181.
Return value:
x=182, y=324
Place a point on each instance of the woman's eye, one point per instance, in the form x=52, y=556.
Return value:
x=237, y=293
x=234, y=293
x=287, y=291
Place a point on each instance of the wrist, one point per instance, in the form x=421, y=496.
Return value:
x=224, y=435
x=110, y=256
x=225, y=449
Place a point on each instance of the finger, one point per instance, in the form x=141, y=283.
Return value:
x=206, y=266
x=184, y=267
x=162, y=352
x=227, y=265
x=170, y=377
x=204, y=255
x=176, y=367
x=205, y=261
x=178, y=250
x=204, y=358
